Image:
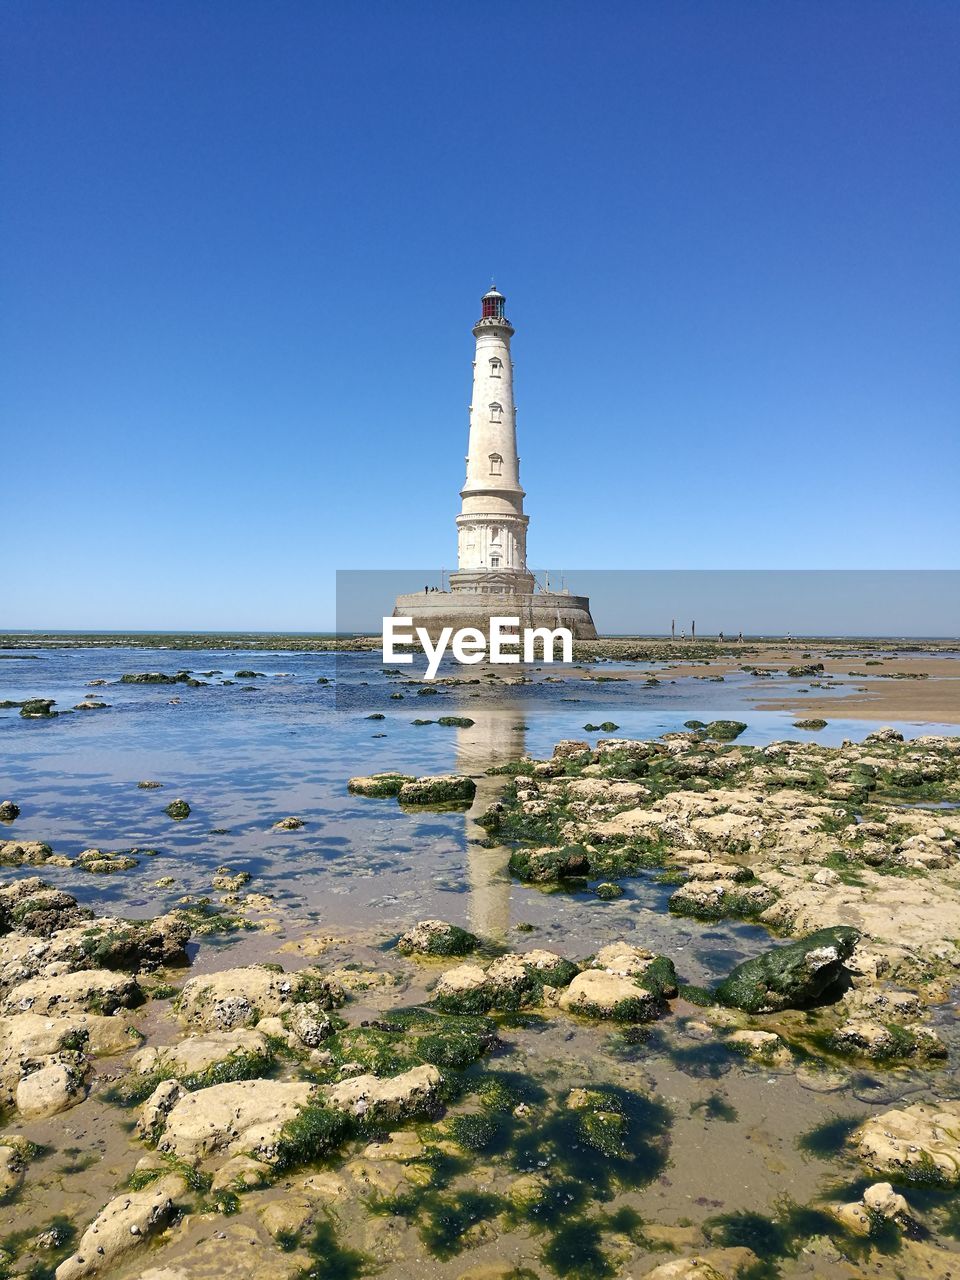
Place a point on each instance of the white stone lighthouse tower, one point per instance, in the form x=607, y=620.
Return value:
x=493, y=579
x=491, y=527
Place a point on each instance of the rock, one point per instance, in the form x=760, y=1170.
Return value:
x=55, y=1086
x=549, y=866
x=725, y=730
x=763, y=1046
x=880, y=1198
x=90, y=704
x=9, y=811
x=178, y=810
x=436, y=938
x=444, y=788
x=148, y=784
x=288, y=824
x=240, y=997
x=885, y=734
x=379, y=785
x=287, y=1218
x=38, y=708
x=920, y=1142
x=598, y=994
x=25, y=853
x=198, y=1053
x=464, y=989
x=156, y=1109
x=126, y=1223
x=717, y=899
x=309, y=1023
x=872, y=1039
x=608, y=890
x=792, y=976
x=709, y=1264
x=12, y=1166
x=93, y=990
x=99, y=863
x=414, y=1092
x=244, y=1117
x=35, y=907
x=241, y=1172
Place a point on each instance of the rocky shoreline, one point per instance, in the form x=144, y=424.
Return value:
x=352, y=1106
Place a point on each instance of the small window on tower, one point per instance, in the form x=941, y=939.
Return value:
x=494, y=534
x=496, y=364
x=494, y=562
x=496, y=464
x=496, y=412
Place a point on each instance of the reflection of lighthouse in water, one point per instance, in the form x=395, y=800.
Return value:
x=496, y=736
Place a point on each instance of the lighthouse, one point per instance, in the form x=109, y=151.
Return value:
x=492, y=578
x=491, y=526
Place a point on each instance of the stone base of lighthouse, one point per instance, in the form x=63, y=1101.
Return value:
x=463, y=607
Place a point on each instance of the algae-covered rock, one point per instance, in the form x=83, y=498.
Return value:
x=178, y=810
x=38, y=708
x=241, y=997
x=550, y=866
x=456, y=722
x=414, y=1092
x=790, y=977
x=292, y=823
x=812, y=724
x=379, y=785
x=725, y=730
x=9, y=811
x=242, y=1117
x=720, y=899
x=444, y=788
x=436, y=938
x=597, y=993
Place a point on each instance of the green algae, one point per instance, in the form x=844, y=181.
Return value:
x=136, y=1087
x=715, y=1107
x=828, y=1139
x=331, y=1259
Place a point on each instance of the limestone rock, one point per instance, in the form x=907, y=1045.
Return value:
x=444, y=788
x=599, y=994
x=920, y=1140
x=93, y=990
x=154, y=1112
x=243, y=1117
x=197, y=1053
x=414, y=1092
x=464, y=989
x=126, y=1222
x=378, y=785
x=12, y=1166
x=240, y=997
x=56, y=1086
x=436, y=938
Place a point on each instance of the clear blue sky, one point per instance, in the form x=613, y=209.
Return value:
x=243, y=246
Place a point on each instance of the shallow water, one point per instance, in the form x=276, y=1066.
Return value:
x=248, y=753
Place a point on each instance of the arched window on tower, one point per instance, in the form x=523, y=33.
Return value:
x=496, y=367
x=496, y=412
x=496, y=464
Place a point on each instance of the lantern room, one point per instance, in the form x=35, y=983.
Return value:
x=492, y=304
